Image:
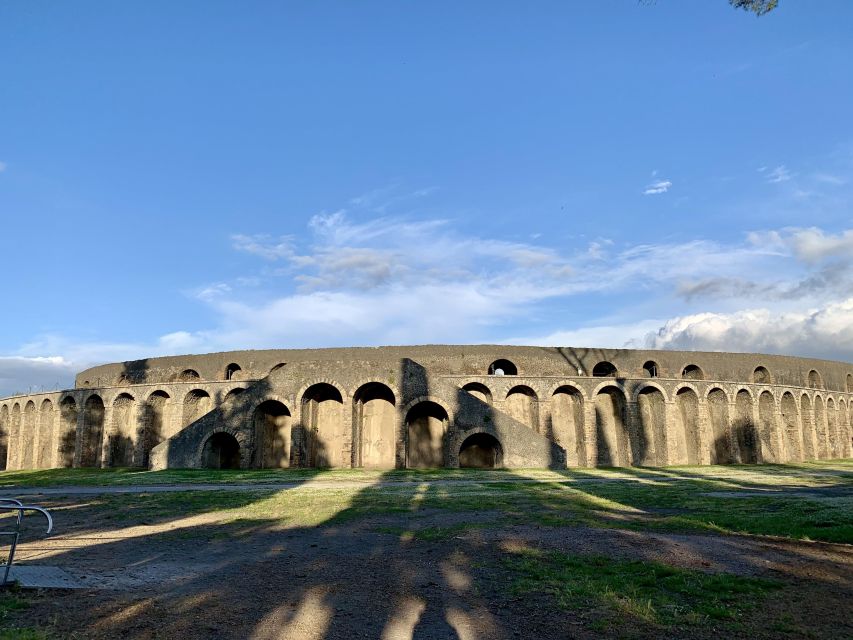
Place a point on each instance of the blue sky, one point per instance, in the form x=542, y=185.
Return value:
x=201, y=176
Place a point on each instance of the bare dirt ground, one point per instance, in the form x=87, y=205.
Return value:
x=202, y=576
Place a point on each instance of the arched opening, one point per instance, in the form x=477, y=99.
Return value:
x=821, y=426
x=815, y=381
x=831, y=429
x=688, y=419
x=28, y=437
x=744, y=428
x=93, y=431
x=188, y=375
x=278, y=367
x=67, y=431
x=197, y=403
x=374, y=419
x=152, y=426
x=604, y=370
x=14, y=437
x=45, y=436
x=807, y=417
x=233, y=372
x=479, y=391
x=221, y=451
x=692, y=372
x=236, y=391
x=426, y=424
x=611, y=436
x=480, y=451
x=567, y=424
x=761, y=376
x=4, y=436
x=121, y=435
x=523, y=406
x=790, y=418
x=272, y=423
x=651, y=369
x=718, y=408
x=322, y=419
x=503, y=368
x=767, y=427
x=650, y=446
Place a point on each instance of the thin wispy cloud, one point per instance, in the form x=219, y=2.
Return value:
x=777, y=174
x=657, y=187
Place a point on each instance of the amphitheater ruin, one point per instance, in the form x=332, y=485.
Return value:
x=436, y=406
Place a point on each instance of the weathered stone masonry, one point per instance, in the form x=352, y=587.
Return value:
x=431, y=406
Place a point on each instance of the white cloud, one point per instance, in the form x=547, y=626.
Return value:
x=824, y=332
x=656, y=187
x=264, y=246
x=19, y=374
x=779, y=174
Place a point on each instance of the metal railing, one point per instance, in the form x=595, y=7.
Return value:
x=10, y=504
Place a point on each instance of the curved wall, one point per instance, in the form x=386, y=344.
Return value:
x=417, y=406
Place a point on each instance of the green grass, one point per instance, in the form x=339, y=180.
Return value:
x=10, y=604
x=631, y=591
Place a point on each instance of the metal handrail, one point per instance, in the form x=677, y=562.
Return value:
x=10, y=504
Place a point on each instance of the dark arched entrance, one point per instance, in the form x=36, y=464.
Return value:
x=221, y=451
x=481, y=451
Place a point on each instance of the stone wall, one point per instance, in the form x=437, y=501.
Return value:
x=427, y=406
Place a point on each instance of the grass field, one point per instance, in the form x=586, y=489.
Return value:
x=434, y=513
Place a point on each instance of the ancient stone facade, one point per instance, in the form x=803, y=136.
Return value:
x=432, y=406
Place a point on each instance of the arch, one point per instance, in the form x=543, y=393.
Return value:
x=567, y=423
x=687, y=420
x=120, y=441
x=821, y=425
x=196, y=404
x=28, y=436
x=188, y=375
x=426, y=426
x=278, y=367
x=14, y=436
x=323, y=425
x=831, y=430
x=650, y=448
x=153, y=421
x=375, y=423
x=635, y=395
x=718, y=410
x=233, y=393
x=522, y=405
x=761, y=375
x=233, y=372
x=814, y=379
x=767, y=427
x=791, y=422
x=807, y=418
x=221, y=451
x=692, y=372
x=479, y=391
x=481, y=451
x=93, y=431
x=651, y=369
x=68, y=414
x=4, y=436
x=604, y=369
x=45, y=437
x=273, y=437
x=503, y=368
x=745, y=436
x=611, y=437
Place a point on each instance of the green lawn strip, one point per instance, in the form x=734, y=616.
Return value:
x=631, y=591
x=10, y=604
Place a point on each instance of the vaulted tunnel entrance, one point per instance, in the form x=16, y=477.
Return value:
x=221, y=451
x=481, y=451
